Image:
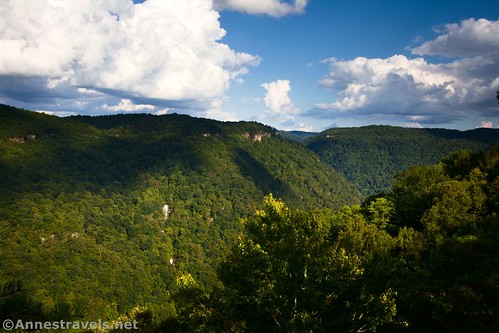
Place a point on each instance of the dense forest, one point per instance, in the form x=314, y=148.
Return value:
x=258, y=234
x=371, y=156
x=82, y=198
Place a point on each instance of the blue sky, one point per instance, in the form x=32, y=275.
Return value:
x=307, y=64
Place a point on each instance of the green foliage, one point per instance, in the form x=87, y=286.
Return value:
x=365, y=268
x=414, y=193
x=446, y=273
x=380, y=212
x=81, y=200
x=372, y=156
x=298, y=136
x=288, y=274
x=16, y=304
x=83, y=234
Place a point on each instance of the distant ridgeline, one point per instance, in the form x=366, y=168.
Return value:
x=106, y=212
x=371, y=156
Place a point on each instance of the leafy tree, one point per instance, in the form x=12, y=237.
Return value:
x=380, y=211
x=456, y=207
x=414, y=192
x=287, y=274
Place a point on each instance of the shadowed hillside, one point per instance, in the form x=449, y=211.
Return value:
x=371, y=156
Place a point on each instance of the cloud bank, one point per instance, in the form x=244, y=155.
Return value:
x=168, y=52
x=415, y=90
x=275, y=8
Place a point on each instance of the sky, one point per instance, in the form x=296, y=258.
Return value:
x=295, y=65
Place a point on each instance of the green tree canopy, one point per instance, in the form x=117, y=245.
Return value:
x=288, y=273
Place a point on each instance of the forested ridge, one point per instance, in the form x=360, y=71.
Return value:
x=83, y=234
x=81, y=201
x=371, y=156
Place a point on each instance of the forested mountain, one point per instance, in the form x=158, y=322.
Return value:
x=299, y=136
x=82, y=198
x=421, y=258
x=85, y=233
x=371, y=156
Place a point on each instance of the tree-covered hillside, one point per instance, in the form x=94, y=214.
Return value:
x=82, y=202
x=371, y=156
x=298, y=136
x=422, y=258
x=159, y=219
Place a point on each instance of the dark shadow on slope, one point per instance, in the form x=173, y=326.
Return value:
x=68, y=155
x=485, y=136
x=261, y=176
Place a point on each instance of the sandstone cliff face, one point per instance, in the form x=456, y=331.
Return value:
x=257, y=137
x=29, y=137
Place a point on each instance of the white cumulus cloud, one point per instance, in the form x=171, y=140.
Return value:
x=280, y=110
x=415, y=90
x=158, y=50
x=277, y=100
x=276, y=8
x=394, y=84
x=470, y=38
